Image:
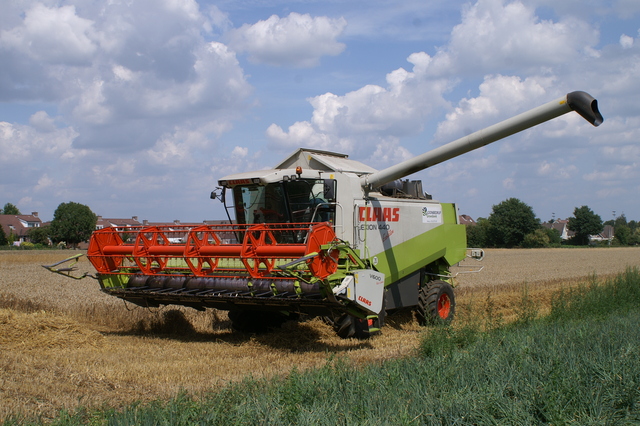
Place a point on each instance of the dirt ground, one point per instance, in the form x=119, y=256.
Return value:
x=65, y=344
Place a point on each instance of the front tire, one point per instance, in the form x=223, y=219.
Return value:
x=348, y=326
x=436, y=303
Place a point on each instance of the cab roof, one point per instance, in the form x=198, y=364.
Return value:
x=311, y=161
x=324, y=160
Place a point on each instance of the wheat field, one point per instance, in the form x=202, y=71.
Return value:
x=65, y=344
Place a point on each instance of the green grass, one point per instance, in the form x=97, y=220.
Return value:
x=599, y=299
x=579, y=365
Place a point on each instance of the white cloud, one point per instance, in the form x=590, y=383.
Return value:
x=142, y=92
x=239, y=159
x=125, y=72
x=90, y=107
x=239, y=151
x=301, y=133
x=169, y=152
x=556, y=170
x=493, y=35
x=371, y=115
x=498, y=34
x=184, y=145
x=387, y=152
x=295, y=40
x=25, y=201
x=626, y=42
x=54, y=35
x=44, y=182
x=500, y=97
x=216, y=20
x=617, y=173
x=611, y=193
x=188, y=8
x=41, y=122
x=509, y=183
x=119, y=173
x=622, y=154
x=22, y=144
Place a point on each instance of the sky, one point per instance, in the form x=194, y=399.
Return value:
x=138, y=107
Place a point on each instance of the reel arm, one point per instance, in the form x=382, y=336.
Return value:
x=68, y=269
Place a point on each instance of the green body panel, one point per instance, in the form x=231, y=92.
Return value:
x=113, y=281
x=449, y=213
x=448, y=242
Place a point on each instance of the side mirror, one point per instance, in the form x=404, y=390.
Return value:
x=215, y=194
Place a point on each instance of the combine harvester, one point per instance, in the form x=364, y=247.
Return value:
x=319, y=234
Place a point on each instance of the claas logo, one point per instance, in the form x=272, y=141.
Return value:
x=379, y=214
x=365, y=301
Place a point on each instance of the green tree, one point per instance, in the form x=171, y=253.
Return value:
x=509, y=222
x=10, y=209
x=3, y=237
x=536, y=239
x=622, y=235
x=584, y=223
x=477, y=234
x=39, y=235
x=620, y=221
x=555, y=239
x=72, y=223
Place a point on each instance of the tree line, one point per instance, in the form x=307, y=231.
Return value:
x=72, y=224
x=512, y=223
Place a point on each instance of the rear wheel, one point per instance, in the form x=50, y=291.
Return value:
x=436, y=303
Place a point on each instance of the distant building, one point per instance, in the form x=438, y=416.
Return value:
x=562, y=226
x=465, y=219
x=19, y=225
x=607, y=234
x=176, y=231
x=116, y=223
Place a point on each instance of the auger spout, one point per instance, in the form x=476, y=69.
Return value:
x=580, y=102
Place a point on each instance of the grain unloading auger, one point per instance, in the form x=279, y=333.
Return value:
x=319, y=234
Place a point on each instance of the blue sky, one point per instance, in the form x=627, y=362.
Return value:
x=137, y=108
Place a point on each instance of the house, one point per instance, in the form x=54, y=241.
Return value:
x=18, y=226
x=465, y=219
x=116, y=223
x=562, y=226
x=607, y=234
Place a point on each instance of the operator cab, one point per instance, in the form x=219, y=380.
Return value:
x=287, y=201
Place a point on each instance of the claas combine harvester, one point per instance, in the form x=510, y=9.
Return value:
x=319, y=234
